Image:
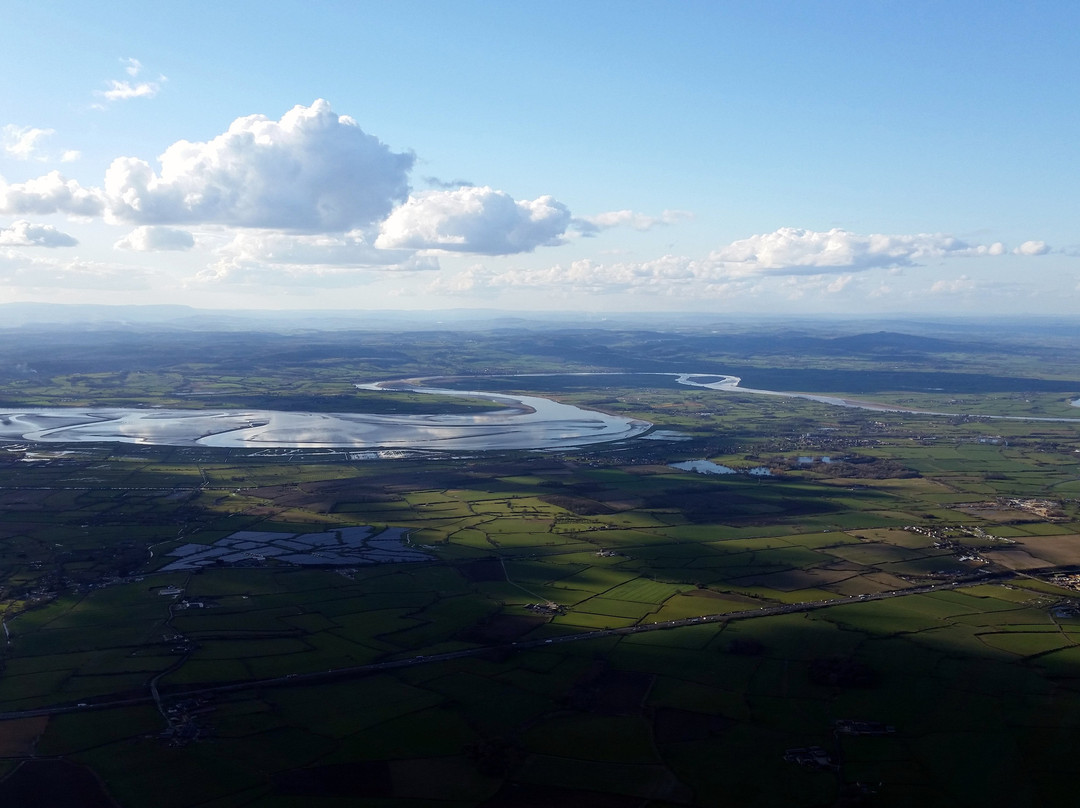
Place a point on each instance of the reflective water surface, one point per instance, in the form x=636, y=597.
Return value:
x=523, y=422
x=526, y=422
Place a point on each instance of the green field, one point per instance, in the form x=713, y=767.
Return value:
x=906, y=582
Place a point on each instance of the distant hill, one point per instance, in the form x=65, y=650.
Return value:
x=891, y=342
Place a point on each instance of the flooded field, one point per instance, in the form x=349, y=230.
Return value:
x=349, y=546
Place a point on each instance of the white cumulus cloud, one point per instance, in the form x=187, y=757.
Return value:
x=311, y=171
x=151, y=238
x=1032, y=248
x=474, y=220
x=51, y=193
x=25, y=234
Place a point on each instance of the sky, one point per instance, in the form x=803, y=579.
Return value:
x=860, y=157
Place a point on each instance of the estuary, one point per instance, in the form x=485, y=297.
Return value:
x=520, y=422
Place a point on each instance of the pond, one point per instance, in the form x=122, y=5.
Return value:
x=709, y=467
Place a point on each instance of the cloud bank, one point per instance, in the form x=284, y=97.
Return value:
x=19, y=271
x=254, y=248
x=808, y=260
x=791, y=250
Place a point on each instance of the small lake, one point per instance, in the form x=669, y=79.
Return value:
x=709, y=467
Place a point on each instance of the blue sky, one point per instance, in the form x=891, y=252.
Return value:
x=773, y=157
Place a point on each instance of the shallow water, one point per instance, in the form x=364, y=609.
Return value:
x=732, y=384
x=527, y=423
x=709, y=467
x=702, y=467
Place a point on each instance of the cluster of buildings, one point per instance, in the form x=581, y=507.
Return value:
x=184, y=726
x=846, y=726
x=813, y=756
x=944, y=541
x=1066, y=580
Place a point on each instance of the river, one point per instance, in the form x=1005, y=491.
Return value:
x=521, y=422
x=732, y=384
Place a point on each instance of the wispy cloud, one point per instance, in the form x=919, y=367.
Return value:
x=19, y=270
x=590, y=225
x=447, y=185
x=123, y=90
x=126, y=89
x=24, y=142
x=156, y=239
x=252, y=249
x=956, y=286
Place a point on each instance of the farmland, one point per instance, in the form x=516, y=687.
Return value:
x=583, y=627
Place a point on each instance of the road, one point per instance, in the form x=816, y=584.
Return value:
x=336, y=674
